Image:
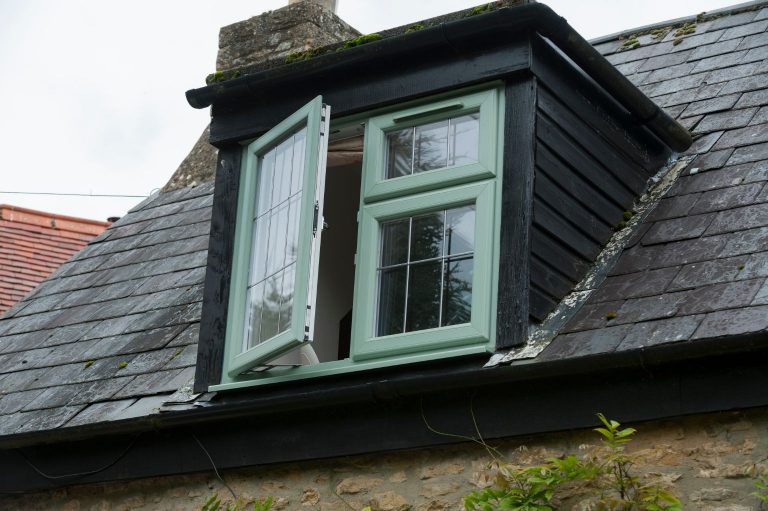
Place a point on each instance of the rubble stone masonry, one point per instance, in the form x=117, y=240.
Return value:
x=706, y=460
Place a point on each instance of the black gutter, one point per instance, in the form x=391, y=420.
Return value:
x=368, y=387
x=455, y=35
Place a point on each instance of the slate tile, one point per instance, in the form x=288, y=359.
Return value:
x=673, y=207
x=733, y=20
x=668, y=73
x=580, y=344
x=716, y=104
x=650, y=307
x=189, y=335
x=15, y=401
x=634, y=285
x=629, y=68
x=674, y=111
x=675, y=84
x=746, y=84
x=754, y=41
x=149, y=361
x=111, y=327
x=592, y=316
x=690, y=122
x=705, y=142
x=757, y=152
x=661, y=331
x=677, y=229
x=756, y=266
x=754, y=98
x=705, y=181
x=743, y=136
x=117, y=290
x=100, y=412
x=152, y=339
x=746, y=242
x=757, y=172
x=194, y=276
x=756, y=54
x=763, y=14
x=42, y=420
x=760, y=117
x=700, y=274
x=733, y=322
x=11, y=423
x=67, y=334
x=728, y=295
x=712, y=159
x=608, y=47
x=761, y=298
x=726, y=120
x=160, y=299
x=157, y=383
x=185, y=356
x=712, y=50
x=143, y=407
x=101, y=369
x=740, y=219
x=719, y=76
x=638, y=78
x=665, y=60
x=721, y=61
x=745, y=30
x=705, y=91
x=727, y=198
x=78, y=393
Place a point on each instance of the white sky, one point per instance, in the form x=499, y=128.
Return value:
x=93, y=90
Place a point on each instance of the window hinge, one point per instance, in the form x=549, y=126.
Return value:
x=358, y=216
x=355, y=260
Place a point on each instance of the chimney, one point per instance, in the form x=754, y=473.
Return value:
x=301, y=25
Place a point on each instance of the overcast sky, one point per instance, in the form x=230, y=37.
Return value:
x=92, y=91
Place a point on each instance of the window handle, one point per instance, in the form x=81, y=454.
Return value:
x=429, y=111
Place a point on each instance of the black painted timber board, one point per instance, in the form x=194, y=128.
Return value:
x=516, y=212
x=568, y=262
x=213, y=323
x=368, y=87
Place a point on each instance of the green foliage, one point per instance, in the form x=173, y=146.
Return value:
x=605, y=477
x=214, y=504
x=358, y=41
x=480, y=9
x=761, y=483
x=686, y=29
x=414, y=28
x=122, y=365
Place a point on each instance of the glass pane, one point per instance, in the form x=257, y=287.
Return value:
x=464, y=139
x=423, y=309
x=286, y=297
x=431, y=150
x=270, y=315
x=299, y=147
x=275, y=240
x=292, y=234
x=394, y=242
x=259, y=250
x=427, y=236
x=391, y=308
x=400, y=153
x=266, y=174
x=457, y=291
x=253, y=325
x=460, y=230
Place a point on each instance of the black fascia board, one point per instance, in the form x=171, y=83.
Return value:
x=468, y=38
x=639, y=385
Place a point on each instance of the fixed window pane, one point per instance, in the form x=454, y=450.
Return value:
x=431, y=146
x=392, y=288
x=425, y=272
x=457, y=291
x=460, y=230
x=464, y=140
x=423, y=309
x=400, y=153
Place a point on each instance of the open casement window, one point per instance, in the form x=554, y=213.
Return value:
x=277, y=241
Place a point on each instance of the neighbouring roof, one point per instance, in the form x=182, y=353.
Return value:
x=694, y=270
x=33, y=244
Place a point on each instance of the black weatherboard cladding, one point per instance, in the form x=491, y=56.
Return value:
x=593, y=159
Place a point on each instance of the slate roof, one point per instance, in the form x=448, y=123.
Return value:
x=695, y=269
x=113, y=326
x=33, y=244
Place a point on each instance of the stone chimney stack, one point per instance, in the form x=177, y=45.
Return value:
x=301, y=25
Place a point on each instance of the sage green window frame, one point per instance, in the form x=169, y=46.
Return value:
x=313, y=115
x=433, y=190
x=365, y=344
x=377, y=186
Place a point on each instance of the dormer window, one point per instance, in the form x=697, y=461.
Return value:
x=415, y=249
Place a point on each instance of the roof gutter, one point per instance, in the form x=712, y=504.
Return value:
x=455, y=34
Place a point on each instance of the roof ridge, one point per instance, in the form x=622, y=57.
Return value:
x=705, y=15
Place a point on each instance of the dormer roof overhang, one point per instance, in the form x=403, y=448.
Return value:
x=467, y=50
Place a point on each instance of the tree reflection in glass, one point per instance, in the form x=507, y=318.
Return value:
x=436, y=145
x=425, y=272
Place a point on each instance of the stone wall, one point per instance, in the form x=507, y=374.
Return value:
x=707, y=461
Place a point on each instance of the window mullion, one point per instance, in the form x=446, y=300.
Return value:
x=407, y=274
x=442, y=267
